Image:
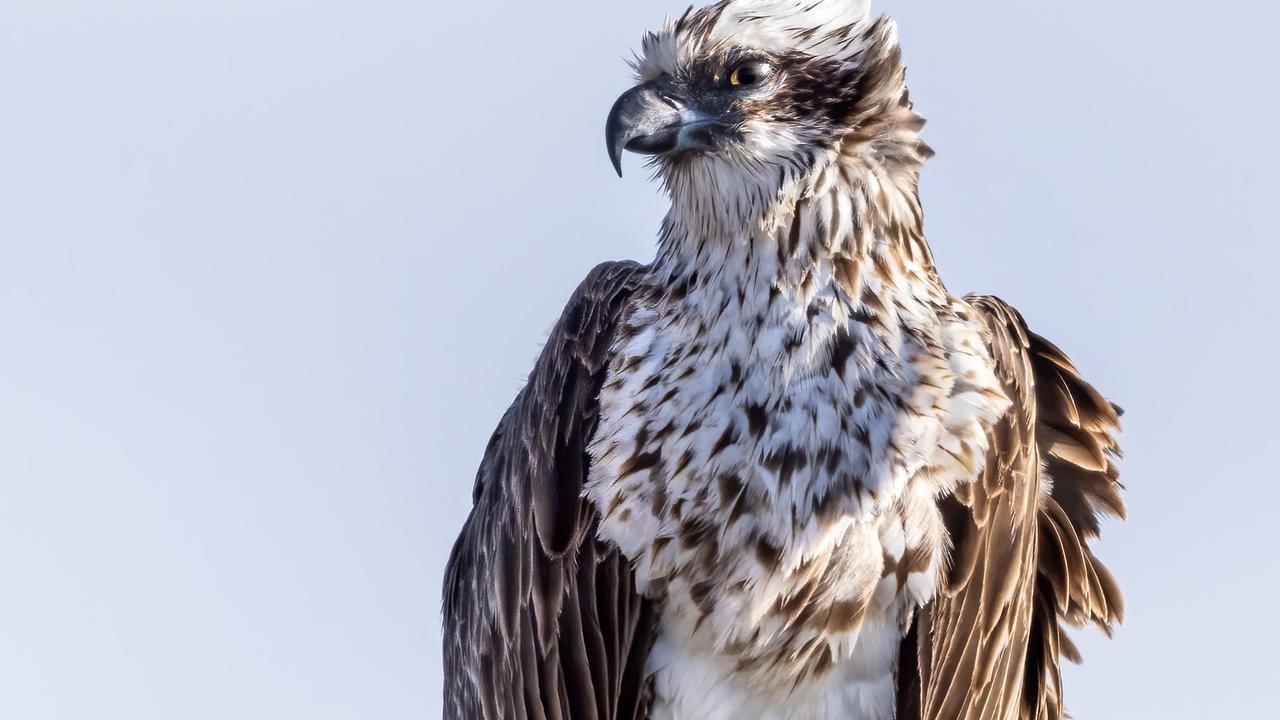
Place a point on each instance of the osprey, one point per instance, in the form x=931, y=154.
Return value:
x=781, y=472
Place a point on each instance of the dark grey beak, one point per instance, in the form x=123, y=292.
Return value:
x=649, y=119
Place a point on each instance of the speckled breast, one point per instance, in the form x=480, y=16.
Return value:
x=769, y=460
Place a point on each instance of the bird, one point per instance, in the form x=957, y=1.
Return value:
x=780, y=472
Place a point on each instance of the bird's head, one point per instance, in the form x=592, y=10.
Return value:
x=743, y=92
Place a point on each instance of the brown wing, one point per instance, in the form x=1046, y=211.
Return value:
x=542, y=621
x=989, y=647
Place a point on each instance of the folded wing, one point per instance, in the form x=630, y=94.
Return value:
x=542, y=620
x=989, y=647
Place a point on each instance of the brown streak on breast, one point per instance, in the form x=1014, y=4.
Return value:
x=768, y=554
x=845, y=615
x=641, y=461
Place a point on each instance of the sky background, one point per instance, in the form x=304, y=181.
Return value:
x=271, y=270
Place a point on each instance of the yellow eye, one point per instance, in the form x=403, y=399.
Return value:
x=750, y=73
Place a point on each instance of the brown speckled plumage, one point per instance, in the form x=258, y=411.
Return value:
x=781, y=472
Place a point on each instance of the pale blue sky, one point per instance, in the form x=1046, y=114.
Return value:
x=270, y=270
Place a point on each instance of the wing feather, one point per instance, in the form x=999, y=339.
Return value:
x=989, y=646
x=542, y=620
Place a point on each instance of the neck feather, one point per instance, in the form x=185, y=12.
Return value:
x=855, y=209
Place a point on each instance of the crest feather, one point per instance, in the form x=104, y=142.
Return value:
x=823, y=28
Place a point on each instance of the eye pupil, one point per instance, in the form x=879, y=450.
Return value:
x=748, y=74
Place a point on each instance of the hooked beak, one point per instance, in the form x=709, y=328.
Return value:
x=650, y=120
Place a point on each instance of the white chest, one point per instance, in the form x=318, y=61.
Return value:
x=768, y=456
